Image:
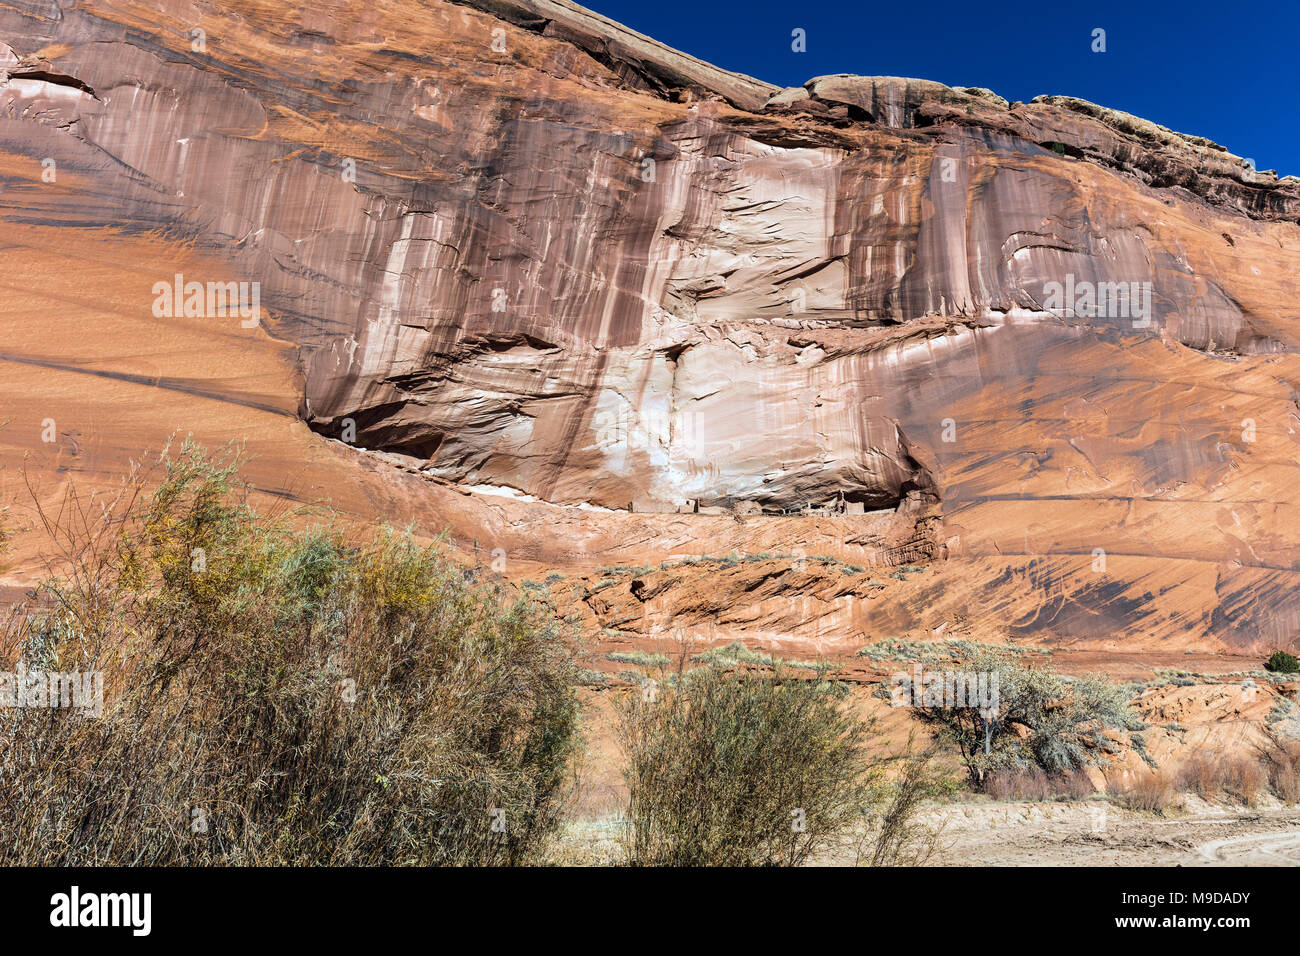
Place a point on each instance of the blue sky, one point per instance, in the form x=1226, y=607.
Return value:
x=1226, y=71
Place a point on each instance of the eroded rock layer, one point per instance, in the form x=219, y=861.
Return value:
x=534, y=277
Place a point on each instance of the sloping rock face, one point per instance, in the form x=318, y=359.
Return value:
x=588, y=300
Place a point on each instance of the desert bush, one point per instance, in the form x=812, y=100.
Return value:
x=897, y=839
x=1204, y=774
x=1035, y=785
x=1024, y=785
x=276, y=696
x=1041, y=720
x=1282, y=758
x=1074, y=785
x=1244, y=778
x=1216, y=775
x=1150, y=790
x=727, y=768
x=1283, y=663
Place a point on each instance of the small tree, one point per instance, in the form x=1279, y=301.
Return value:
x=1038, y=720
x=1283, y=663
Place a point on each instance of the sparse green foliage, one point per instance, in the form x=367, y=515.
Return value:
x=643, y=659
x=743, y=769
x=1042, y=720
x=898, y=840
x=320, y=702
x=736, y=653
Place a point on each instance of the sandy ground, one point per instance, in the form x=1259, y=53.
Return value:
x=979, y=831
x=1095, y=833
x=1083, y=833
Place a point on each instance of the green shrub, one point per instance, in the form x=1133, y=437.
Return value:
x=1283, y=663
x=640, y=658
x=737, y=769
x=277, y=696
x=1041, y=720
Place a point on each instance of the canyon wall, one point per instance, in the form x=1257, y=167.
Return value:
x=531, y=277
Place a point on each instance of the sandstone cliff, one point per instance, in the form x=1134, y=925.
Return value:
x=532, y=277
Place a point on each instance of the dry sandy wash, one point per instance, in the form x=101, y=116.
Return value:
x=925, y=363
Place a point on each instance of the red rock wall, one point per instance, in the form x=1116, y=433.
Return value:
x=540, y=256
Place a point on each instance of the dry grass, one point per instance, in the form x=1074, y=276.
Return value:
x=276, y=696
x=1204, y=775
x=1245, y=779
x=1282, y=760
x=1239, y=778
x=1036, y=785
x=1028, y=786
x=1152, y=790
